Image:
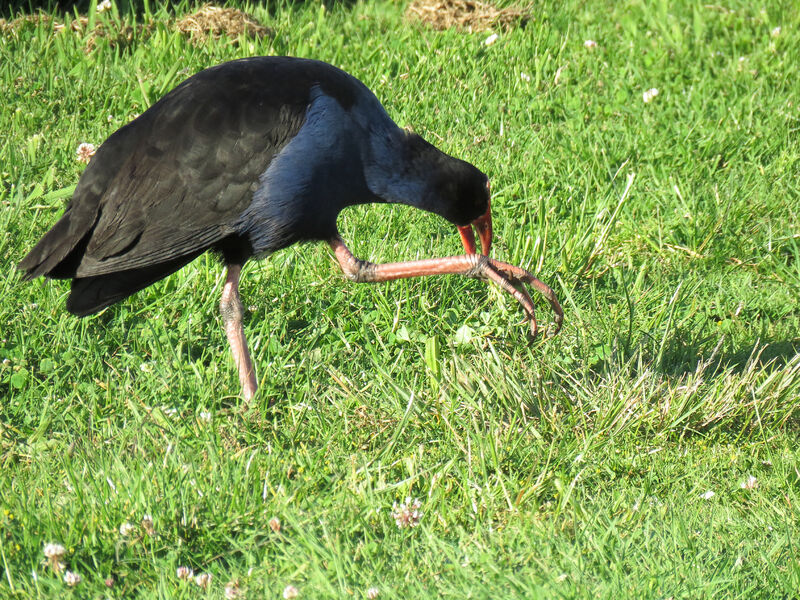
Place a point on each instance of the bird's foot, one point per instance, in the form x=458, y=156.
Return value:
x=508, y=277
x=511, y=279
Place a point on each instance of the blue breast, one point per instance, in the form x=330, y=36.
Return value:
x=317, y=174
x=339, y=158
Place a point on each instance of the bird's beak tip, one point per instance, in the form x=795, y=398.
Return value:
x=483, y=225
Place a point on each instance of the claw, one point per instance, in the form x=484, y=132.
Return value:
x=508, y=276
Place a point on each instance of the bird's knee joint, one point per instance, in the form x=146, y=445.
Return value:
x=361, y=271
x=479, y=266
x=231, y=309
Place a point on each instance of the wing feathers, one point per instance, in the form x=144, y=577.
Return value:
x=152, y=248
x=89, y=295
x=174, y=182
x=56, y=246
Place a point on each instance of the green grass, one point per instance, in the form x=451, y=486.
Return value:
x=570, y=467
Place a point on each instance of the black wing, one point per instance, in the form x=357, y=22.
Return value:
x=168, y=186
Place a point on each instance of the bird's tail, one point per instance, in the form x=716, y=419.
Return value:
x=52, y=256
x=89, y=295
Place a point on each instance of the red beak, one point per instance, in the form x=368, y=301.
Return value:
x=483, y=225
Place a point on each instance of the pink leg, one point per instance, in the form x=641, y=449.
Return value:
x=470, y=265
x=230, y=307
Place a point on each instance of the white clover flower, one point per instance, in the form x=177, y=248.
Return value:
x=202, y=579
x=184, y=573
x=524, y=77
x=71, y=579
x=649, y=95
x=290, y=592
x=147, y=525
x=103, y=6
x=233, y=591
x=54, y=552
x=750, y=484
x=775, y=32
x=204, y=416
x=85, y=152
x=407, y=514
x=126, y=529
x=372, y=593
x=590, y=44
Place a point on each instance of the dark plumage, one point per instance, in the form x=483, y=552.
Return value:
x=246, y=158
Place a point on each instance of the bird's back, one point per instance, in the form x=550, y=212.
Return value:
x=172, y=183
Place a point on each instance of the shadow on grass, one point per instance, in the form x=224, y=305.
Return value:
x=777, y=353
x=16, y=7
x=685, y=358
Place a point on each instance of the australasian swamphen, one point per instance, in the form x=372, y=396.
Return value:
x=246, y=158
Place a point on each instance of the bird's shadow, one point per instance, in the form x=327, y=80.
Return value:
x=757, y=353
x=778, y=353
x=684, y=356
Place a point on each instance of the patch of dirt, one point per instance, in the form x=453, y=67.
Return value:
x=468, y=15
x=215, y=22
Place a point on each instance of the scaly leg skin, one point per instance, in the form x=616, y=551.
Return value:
x=506, y=276
x=230, y=307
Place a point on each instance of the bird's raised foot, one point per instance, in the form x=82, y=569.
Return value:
x=509, y=278
x=512, y=279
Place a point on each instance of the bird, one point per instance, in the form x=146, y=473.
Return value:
x=246, y=158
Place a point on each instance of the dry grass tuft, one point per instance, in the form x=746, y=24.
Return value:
x=216, y=22
x=208, y=22
x=14, y=25
x=468, y=15
x=118, y=34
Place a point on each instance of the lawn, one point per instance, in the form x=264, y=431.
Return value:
x=650, y=450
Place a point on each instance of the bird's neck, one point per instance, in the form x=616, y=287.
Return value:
x=400, y=165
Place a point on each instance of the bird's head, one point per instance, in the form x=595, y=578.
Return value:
x=453, y=189
x=402, y=167
x=460, y=193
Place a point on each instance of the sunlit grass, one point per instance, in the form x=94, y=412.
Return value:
x=578, y=466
